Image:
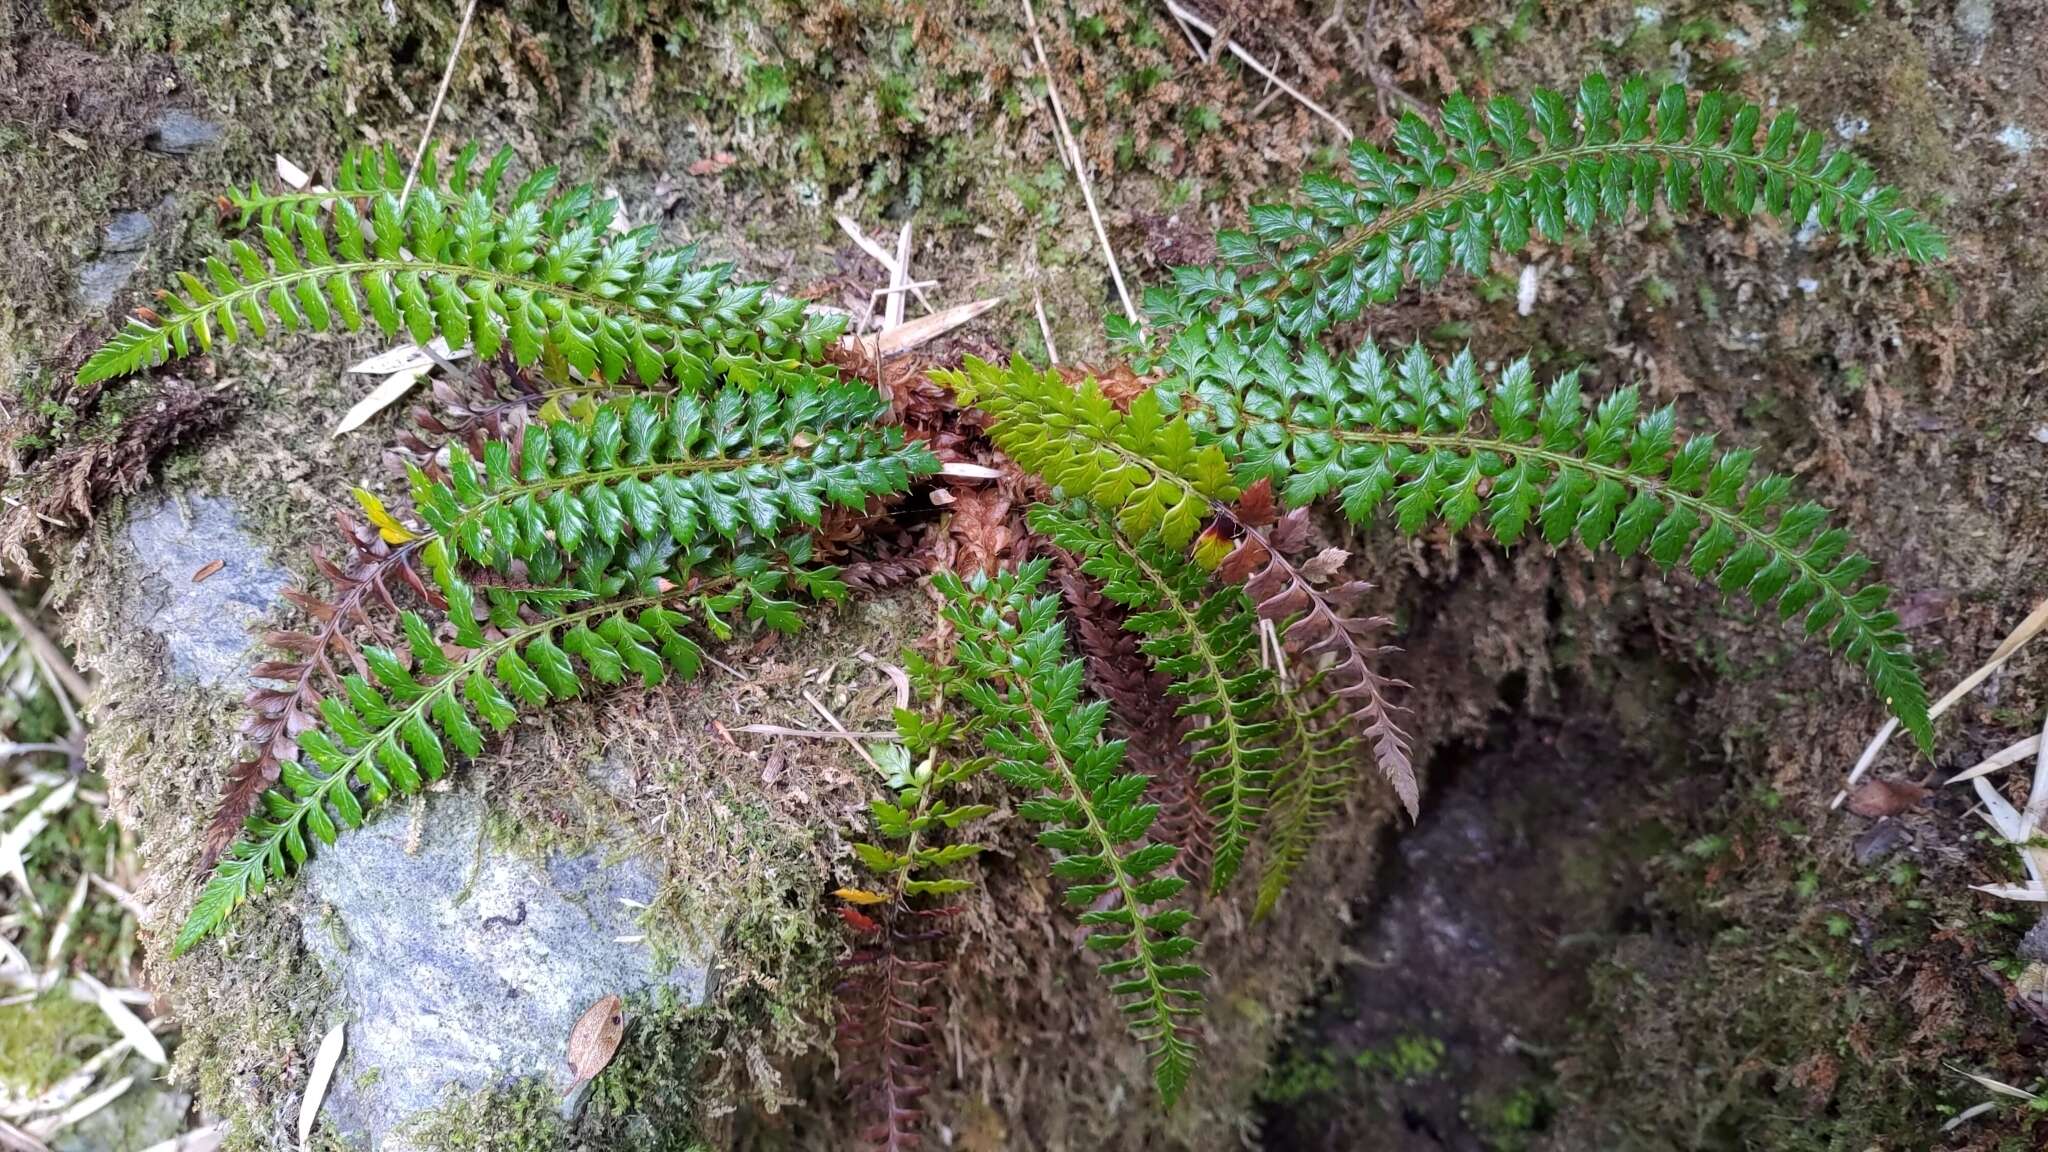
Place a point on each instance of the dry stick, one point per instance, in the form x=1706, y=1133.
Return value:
x=434, y=113
x=1059, y=113
x=1252, y=62
x=892, y=312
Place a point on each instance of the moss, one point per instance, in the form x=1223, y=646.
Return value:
x=43, y=1040
x=519, y=1117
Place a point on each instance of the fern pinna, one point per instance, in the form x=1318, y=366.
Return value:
x=692, y=434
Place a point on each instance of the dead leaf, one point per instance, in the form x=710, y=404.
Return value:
x=861, y=896
x=1880, y=798
x=595, y=1039
x=208, y=569
x=324, y=1063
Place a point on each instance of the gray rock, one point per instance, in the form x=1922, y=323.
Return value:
x=464, y=965
x=101, y=282
x=206, y=626
x=180, y=133
x=1884, y=838
x=1975, y=18
x=2034, y=945
x=127, y=232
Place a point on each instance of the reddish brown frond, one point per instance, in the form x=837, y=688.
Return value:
x=1321, y=624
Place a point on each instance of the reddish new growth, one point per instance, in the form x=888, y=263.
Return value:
x=1324, y=623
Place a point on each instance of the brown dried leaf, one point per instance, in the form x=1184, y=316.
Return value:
x=1879, y=798
x=208, y=569
x=595, y=1038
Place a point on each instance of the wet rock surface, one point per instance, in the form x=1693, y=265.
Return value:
x=121, y=252
x=180, y=133
x=205, y=623
x=464, y=964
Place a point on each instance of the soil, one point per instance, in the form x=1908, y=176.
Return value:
x=1687, y=947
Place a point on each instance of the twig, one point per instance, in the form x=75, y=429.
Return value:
x=434, y=113
x=881, y=256
x=1252, y=62
x=1059, y=113
x=46, y=652
x=892, y=314
x=814, y=733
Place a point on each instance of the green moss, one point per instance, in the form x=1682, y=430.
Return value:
x=46, y=1038
x=518, y=1117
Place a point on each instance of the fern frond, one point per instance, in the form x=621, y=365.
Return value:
x=887, y=1003
x=1439, y=442
x=368, y=170
x=1015, y=673
x=1142, y=464
x=390, y=732
x=1494, y=177
x=1318, y=750
x=1205, y=638
x=676, y=468
x=1317, y=625
x=538, y=280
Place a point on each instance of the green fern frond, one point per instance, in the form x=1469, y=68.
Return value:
x=1141, y=464
x=367, y=170
x=918, y=778
x=538, y=280
x=1318, y=751
x=1205, y=638
x=1441, y=443
x=1015, y=673
x=391, y=732
x=677, y=467
x=1494, y=177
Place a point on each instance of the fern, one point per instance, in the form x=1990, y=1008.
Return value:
x=1439, y=442
x=1144, y=466
x=1315, y=773
x=672, y=468
x=390, y=732
x=535, y=281
x=1205, y=638
x=1016, y=676
x=1495, y=177
x=887, y=1002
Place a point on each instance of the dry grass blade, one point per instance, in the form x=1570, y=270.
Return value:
x=324, y=1063
x=2010, y=754
x=204, y=1139
x=15, y=841
x=2032, y=626
x=440, y=96
x=78, y=1112
x=1080, y=163
x=125, y=1022
x=922, y=330
x=1189, y=19
x=47, y=654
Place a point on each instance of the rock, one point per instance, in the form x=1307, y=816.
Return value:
x=178, y=132
x=101, y=282
x=127, y=232
x=1884, y=838
x=148, y=1113
x=2034, y=945
x=1975, y=19
x=205, y=625
x=464, y=965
